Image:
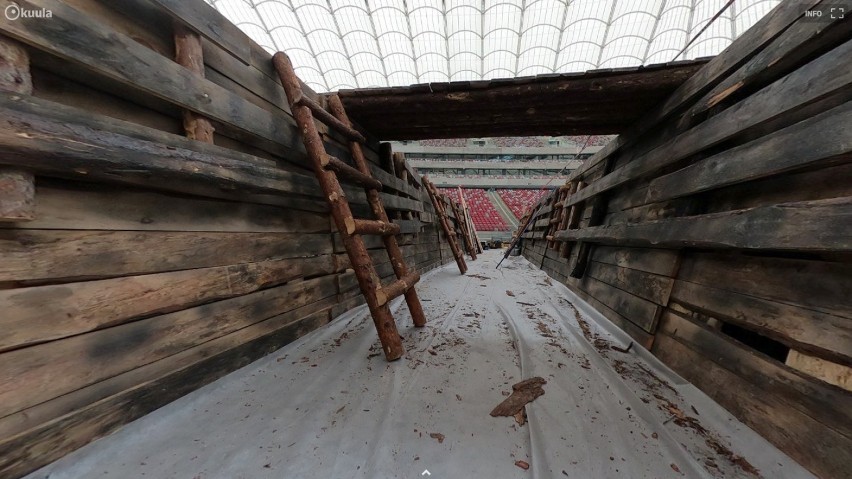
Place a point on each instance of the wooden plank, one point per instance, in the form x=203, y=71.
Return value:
x=657, y=261
x=45, y=371
x=45, y=313
x=821, y=369
x=83, y=206
x=652, y=287
x=61, y=254
x=803, y=226
x=74, y=36
x=32, y=135
x=718, y=68
x=824, y=286
x=824, y=77
x=50, y=441
x=798, y=146
x=820, y=334
x=638, y=311
x=213, y=25
x=626, y=325
x=822, y=450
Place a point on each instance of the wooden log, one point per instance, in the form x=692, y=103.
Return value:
x=17, y=186
x=324, y=116
x=188, y=54
x=371, y=227
x=46, y=313
x=398, y=287
x=349, y=173
x=340, y=211
x=377, y=205
x=802, y=226
x=448, y=231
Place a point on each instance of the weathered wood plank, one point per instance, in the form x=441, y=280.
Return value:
x=45, y=371
x=639, y=311
x=134, y=398
x=823, y=335
x=74, y=36
x=59, y=254
x=803, y=226
x=45, y=313
x=210, y=23
x=821, y=78
x=652, y=287
x=824, y=286
x=823, y=450
x=717, y=69
x=657, y=261
x=798, y=146
x=17, y=195
x=83, y=206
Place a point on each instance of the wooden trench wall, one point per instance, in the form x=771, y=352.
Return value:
x=716, y=232
x=137, y=264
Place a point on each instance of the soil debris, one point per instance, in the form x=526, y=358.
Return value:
x=522, y=464
x=437, y=435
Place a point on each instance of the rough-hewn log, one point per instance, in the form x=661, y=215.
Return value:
x=17, y=186
x=350, y=173
x=188, y=54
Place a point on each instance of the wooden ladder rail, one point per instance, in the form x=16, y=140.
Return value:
x=445, y=224
x=462, y=220
x=350, y=229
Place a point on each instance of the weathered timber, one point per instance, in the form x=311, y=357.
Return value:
x=803, y=226
x=371, y=227
x=46, y=313
x=40, y=255
x=188, y=54
x=350, y=173
x=44, y=371
x=820, y=334
x=17, y=186
x=786, y=95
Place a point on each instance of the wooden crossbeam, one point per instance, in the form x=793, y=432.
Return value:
x=350, y=173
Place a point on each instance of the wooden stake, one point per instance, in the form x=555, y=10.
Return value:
x=188, y=54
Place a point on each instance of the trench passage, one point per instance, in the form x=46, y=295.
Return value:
x=329, y=406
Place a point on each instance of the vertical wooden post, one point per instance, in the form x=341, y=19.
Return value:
x=188, y=54
x=465, y=233
x=402, y=174
x=17, y=187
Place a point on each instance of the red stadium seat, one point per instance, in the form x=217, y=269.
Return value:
x=482, y=211
x=519, y=201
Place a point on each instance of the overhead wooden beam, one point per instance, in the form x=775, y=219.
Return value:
x=17, y=186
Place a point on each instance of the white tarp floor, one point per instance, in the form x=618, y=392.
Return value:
x=329, y=406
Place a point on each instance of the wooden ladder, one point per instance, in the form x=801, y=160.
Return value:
x=330, y=171
x=450, y=233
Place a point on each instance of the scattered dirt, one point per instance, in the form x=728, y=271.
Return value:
x=510, y=293
x=523, y=393
x=675, y=468
x=522, y=464
x=478, y=276
x=436, y=435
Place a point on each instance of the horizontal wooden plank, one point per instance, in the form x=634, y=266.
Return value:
x=44, y=313
x=61, y=254
x=654, y=288
x=824, y=286
x=817, y=80
x=137, y=395
x=820, y=449
x=639, y=311
x=45, y=371
x=825, y=403
x=803, y=226
x=211, y=24
x=84, y=206
x=658, y=261
x=823, y=335
x=798, y=146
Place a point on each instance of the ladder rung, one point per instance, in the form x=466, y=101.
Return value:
x=555, y=220
x=350, y=173
x=324, y=116
x=371, y=227
x=397, y=288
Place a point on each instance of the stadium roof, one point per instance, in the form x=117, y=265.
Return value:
x=350, y=44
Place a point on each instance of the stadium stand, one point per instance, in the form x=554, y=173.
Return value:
x=520, y=200
x=482, y=211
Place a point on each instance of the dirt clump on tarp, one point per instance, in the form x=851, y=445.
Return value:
x=523, y=393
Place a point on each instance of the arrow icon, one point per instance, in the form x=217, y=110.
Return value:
x=426, y=473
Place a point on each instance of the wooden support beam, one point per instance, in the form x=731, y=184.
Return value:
x=17, y=186
x=350, y=173
x=188, y=54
